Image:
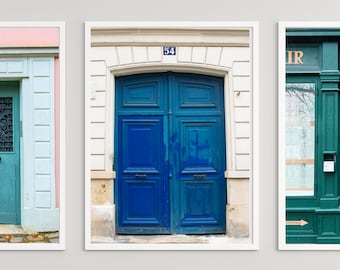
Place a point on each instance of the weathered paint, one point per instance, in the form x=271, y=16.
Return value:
x=174, y=125
x=29, y=37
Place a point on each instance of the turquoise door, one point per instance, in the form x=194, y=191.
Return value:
x=170, y=154
x=9, y=153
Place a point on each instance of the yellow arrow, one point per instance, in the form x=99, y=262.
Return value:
x=300, y=222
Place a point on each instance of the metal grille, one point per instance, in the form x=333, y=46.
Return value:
x=6, y=124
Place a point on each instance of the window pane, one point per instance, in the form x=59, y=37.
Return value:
x=300, y=129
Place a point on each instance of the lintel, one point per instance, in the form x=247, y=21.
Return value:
x=174, y=37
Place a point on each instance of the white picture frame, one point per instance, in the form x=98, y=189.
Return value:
x=282, y=27
x=90, y=92
x=58, y=149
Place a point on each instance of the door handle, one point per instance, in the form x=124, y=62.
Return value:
x=140, y=175
x=199, y=176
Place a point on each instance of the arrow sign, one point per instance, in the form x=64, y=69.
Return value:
x=300, y=222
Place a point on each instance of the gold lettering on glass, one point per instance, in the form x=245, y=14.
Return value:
x=294, y=57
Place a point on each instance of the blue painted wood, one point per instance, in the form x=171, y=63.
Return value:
x=198, y=139
x=142, y=180
x=197, y=94
x=140, y=94
x=10, y=156
x=199, y=176
x=170, y=138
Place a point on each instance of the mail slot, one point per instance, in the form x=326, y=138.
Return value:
x=199, y=176
x=329, y=161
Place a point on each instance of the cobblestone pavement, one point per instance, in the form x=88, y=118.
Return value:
x=49, y=237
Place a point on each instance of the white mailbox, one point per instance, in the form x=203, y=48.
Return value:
x=329, y=160
x=328, y=166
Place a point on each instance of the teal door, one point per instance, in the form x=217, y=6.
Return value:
x=9, y=153
x=170, y=154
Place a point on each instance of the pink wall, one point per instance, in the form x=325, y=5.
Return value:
x=29, y=37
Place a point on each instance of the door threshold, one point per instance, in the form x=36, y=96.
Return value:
x=9, y=229
x=171, y=239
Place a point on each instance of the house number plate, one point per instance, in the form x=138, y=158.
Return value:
x=169, y=50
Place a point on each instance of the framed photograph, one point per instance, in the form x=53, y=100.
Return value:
x=309, y=179
x=171, y=136
x=32, y=135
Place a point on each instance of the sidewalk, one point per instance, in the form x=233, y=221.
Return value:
x=15, y=234
x=171, y=239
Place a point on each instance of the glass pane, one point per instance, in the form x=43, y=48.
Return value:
x=300, y=129
x=6, y=125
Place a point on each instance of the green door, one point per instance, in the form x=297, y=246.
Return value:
x=312, y=140
x=9, y=153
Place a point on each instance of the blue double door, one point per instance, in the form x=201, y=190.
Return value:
x=170, y=154
x=9, y=153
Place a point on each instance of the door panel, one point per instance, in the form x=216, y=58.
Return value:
x=196, y=94
x=141, y=153
x=197, y=150
x=142, y=185
x=171, y=137
x=199, y=175
x=9, y=154
x=140, y=94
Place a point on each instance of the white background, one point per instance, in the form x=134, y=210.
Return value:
x=75, y=13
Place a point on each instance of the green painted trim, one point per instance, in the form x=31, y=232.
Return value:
x=306, y=202
x=313, y=32
x=312, y=210
x=330, y=210
x=298, y=239
x=303, y=57
x=301, y=209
